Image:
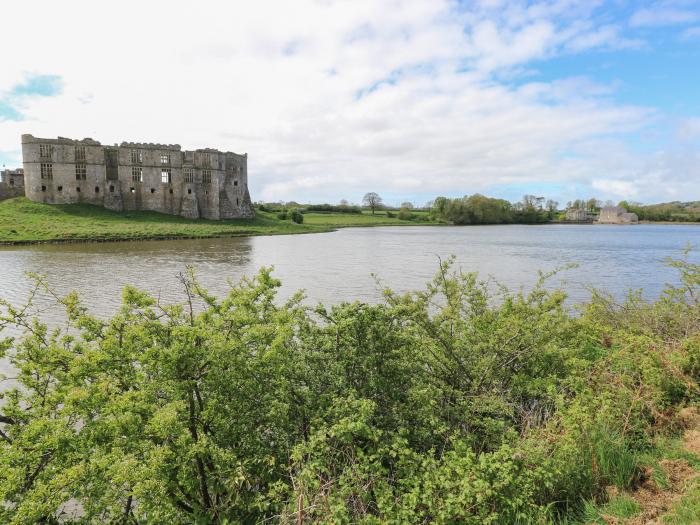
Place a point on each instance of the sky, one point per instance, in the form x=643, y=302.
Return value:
x=407, y=98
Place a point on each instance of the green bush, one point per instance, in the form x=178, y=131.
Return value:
x=283, y=215
x=296, y=216
x=405, y=214
x=446, y=405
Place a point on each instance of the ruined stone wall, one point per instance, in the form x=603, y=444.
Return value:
x=60, y=184
x=204, y=183
x=11, y=184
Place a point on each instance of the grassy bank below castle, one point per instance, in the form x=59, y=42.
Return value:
x=23, y=221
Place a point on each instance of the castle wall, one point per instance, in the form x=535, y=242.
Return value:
x=11, y=184
x=203, y=183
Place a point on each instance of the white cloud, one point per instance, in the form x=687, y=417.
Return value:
x=692, y=33
x=665, y=13
x=331, y=99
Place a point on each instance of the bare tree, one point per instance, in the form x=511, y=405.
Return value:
x=407, y=205
x=372, y=201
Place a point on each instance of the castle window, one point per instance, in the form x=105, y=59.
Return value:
x=165, y=158
x=77, y=189
x=235, y=183
x=45, y=151
x=136, y=156
x=132, y=190
x=60, y=188
x=206, y=176
x=97, y=189
x=136, y=174
x=237, y=202
x=165, y=176
x=206, y=160
x=189, y=191
x=80, y=154
x=80, y=172
x=111, y=189
x=153, y=190
x=47, y=171
x=189, y=175
x=12, y=182
x=171, y=191
x=43, y=188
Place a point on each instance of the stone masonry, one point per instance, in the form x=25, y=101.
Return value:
x=616, y=215
x=204, y=183
x=11, y=183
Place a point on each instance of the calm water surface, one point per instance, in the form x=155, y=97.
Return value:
x=338, y=266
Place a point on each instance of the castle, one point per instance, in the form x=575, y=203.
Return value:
x=616, y=215
x=204, y=183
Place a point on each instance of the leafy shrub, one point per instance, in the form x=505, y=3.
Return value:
x=283, y=215
x=296, y=216
x=405, y=214
x=447, y=405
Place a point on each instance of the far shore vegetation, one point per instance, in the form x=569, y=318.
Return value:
x=23, y=221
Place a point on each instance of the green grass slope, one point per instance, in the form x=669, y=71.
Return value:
x=24, y=221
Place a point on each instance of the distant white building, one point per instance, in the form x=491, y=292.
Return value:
x=616, y=215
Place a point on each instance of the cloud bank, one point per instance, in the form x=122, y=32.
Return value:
x=409, y=98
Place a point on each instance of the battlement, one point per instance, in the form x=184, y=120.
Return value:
x=150, y=145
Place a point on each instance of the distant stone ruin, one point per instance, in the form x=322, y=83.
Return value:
x=578, y=215
x=204, y=183
x=617, y=215
x=11, y=183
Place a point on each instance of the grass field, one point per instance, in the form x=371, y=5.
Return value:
x=23, y=221
x=352, y=219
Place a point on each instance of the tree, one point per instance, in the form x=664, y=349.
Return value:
x=593, y=204
x=372, y=201
x=407, y=205
x=343, y=202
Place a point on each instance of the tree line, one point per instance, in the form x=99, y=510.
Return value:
x=479, y=209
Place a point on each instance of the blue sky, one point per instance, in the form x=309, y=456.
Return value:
x=408, y=98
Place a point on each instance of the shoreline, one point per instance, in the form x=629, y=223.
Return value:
x=316, y=229
x=319, y=229
x=25, y=223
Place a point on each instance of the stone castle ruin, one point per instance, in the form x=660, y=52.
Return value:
x=11, y=183
x=616, y=215
x=204, y=183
